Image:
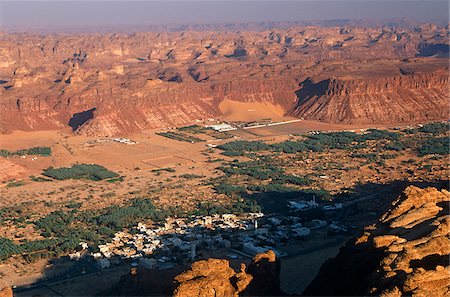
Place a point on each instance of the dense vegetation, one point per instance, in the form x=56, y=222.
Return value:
x=257, y=169
x=44, y=151
x=263, y=169
x=434, y=128
x=238, y=207
x=196, y=129
x=168, y=169
x=80, y=171
x=314, y=142
x=180, y=137
x=439, y=146
x=14, y=184
x=193, y=129
x=242, y=145
x=190, y=176
x=65, y=229
x=117, y=217
x=46, y=247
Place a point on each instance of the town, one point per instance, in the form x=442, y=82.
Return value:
x=184, y=240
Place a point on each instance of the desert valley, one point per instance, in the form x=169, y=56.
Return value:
x=162, y=162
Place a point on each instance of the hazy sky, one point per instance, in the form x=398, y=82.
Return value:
x=75, y=13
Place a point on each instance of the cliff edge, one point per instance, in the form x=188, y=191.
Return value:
x=405, y=253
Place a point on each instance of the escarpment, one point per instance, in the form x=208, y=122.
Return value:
x=405, y=253
x=153, y=80
x=389, y=100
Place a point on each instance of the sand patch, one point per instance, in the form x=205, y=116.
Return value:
x=250, y=111
x=20, y=140
x=10, y=170
x=167, y=161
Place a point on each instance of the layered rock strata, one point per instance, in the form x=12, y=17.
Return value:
x=405, y=253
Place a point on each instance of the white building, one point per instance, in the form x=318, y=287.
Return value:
x=75, y=256
x=103, y=263
x=301, y=231
x=222, y=127
x=317, y=224
x=148, y=263
x=252, y=250
x=304, y=205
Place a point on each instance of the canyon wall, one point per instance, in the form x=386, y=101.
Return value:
x=112, y=84
x=398, y=99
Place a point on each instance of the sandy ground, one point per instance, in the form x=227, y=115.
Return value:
x=152, y=151
x=89, y=285
x=297, y=273
x=250, y=111
x=301, y=127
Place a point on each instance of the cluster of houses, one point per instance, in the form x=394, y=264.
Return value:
x=119, y=140
x=223, y=127
x=178, y=239
x=187, y=239
x=306, y=205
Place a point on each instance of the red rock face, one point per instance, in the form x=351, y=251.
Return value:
x=214, y=277
x=153, y=80
x=390, y=100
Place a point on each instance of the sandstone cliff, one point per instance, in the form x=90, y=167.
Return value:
x=214, y=277
x=405, y=253
x=147, y=80
x=397, y=99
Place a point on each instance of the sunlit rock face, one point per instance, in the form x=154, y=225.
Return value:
x=406, y=252
x=350, y=74
x=215, y=277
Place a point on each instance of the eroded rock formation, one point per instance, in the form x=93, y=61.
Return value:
x=405, y=253
x=158, y=79
x=215, y=277
x=396, y=99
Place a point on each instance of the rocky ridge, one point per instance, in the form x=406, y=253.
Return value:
x=148, y=80
x=405, y=253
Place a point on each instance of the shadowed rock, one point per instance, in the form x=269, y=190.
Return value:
x=405, y=253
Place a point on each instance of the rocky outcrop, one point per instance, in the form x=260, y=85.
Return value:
x=6, y=292
x=215, y=277
x=405, y=253
x=265, y=271
x=212, y=277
